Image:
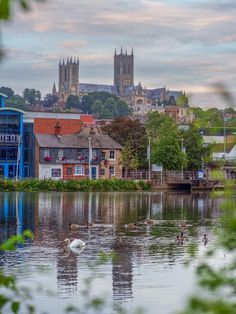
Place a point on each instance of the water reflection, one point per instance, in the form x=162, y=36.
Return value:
x=48, y=215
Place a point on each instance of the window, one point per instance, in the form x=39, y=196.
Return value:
x=94, y=154
x=56, y=173
x=111, y=170
x=79, y=152
x=69, y=171
x=102, y=172
x=112, y=154
x=103, y=155
x=60, y=153
x=46, y=152
x=79, y=170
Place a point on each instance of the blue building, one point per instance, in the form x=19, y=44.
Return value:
x=16, y=143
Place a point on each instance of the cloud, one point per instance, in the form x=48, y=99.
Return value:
x=184, y=44
x=73, y=44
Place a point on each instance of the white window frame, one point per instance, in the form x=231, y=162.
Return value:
x=114, y=154
x=78, y=172
x=94, y=153
x=114, y=173
x=60, y=153
x=46, y=152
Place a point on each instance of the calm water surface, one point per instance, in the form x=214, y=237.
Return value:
x=149, y=272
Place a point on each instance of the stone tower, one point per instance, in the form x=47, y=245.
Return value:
x=123, y=71
x=68, y=78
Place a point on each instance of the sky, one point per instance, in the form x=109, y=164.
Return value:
x=186, y=45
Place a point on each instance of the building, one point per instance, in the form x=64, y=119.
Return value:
x=17, y=136
x=87, y=154
x=16, y=143
x=140, y=99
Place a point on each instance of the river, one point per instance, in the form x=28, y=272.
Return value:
x=149, y=270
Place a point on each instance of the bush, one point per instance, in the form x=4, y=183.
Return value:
x=85, y=185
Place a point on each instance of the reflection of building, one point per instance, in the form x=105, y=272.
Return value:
x=87, y=154
x=122, y=275
x=17, y=213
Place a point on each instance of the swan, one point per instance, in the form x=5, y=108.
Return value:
x=73, y=226
x=76, y=243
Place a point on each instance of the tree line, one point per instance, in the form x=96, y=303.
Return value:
x=171, y=147
x=101, y=104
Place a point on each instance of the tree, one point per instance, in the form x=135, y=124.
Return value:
x=131, y=135
x=18, y=102
x=7, y=91
x=111, y=105
x=73, y=102
x=105, y=114
x=123, y=108
x=129, y=157
x=197, y=152
x=182, y=100
x=97, y=107
x=49, y=100
x=166, y=151
x=31, y=96
x=165, y=142
x=156, y=121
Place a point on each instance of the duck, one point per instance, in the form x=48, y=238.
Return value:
x=149, y=221
x=76, y=243
x=130, y=226
x=73, y=226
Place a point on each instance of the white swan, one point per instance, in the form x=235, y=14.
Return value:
x=76, y=243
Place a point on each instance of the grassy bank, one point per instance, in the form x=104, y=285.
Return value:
x=102, y=185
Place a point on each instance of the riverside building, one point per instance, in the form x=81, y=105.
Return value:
x=18, y=131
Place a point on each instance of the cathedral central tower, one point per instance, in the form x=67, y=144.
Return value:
x=123, y=71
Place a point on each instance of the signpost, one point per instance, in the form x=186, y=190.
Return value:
x=158, y=168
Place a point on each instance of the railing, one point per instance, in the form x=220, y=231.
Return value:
x=165, y=176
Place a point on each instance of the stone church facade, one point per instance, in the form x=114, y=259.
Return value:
x=140, y=99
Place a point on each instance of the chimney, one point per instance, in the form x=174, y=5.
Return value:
x=58, y=128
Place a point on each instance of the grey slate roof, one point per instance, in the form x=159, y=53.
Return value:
x=91, y=88
x=76, y=141
x=155, y=93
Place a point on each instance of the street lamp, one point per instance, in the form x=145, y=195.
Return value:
x=183, y=149
x=149, y=158
x=89, y=157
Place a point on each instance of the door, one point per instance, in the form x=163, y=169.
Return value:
x=1, y=171
x=94, y=172
x=11, y=171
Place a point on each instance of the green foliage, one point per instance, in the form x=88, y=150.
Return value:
x=217, y=281
x=165, y=142
x=18, y=102
x=73, y=102
x=6, y=7
x=104, y=105
x=7, y=91
x=197, y=152
x=10, y=293
x=131, y=135
x=49, y=100
x=182, y=100
x=85, y=185
x=31, y=96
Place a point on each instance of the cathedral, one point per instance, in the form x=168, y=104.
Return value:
x=141, y=99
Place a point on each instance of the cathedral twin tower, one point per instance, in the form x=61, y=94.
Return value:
x=69, y=76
